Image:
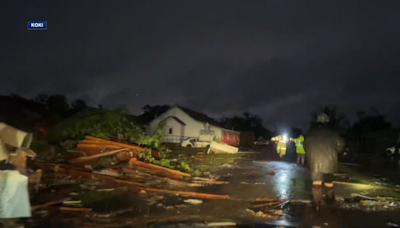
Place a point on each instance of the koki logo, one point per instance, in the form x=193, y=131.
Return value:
x=37, y=25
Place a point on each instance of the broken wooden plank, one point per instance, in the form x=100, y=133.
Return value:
x=187, y=194
x=151, y=166
x=78, y=209
x=97, y=146
x=74, y=171
x=109, y=142
x=84, y=159
x=98, y=141
x=49, y=204
x=93, y=149
x=271, y=203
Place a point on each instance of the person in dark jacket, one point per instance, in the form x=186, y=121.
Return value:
x=323, y=145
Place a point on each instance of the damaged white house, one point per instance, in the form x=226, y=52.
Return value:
x=181, y=123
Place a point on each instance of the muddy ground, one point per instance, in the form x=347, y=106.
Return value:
x=246, y=179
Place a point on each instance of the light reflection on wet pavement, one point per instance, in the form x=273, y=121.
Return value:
x=250, y=180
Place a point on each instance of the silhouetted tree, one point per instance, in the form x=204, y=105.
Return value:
x=151, y=112
x=369, y=123
x=41, y=98
x=78, y=105
x=246, y=122
x=58, y=103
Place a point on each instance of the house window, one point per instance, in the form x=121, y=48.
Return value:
x=170, y=130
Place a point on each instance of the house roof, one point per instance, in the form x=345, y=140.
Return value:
x=200, y=116
x=175, y=118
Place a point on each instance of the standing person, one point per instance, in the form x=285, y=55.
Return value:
x=281, y=146
x=301, y=153
x=322, y=146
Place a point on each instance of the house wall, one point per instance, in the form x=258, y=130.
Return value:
x=217, y=131
x=231, y=137
x=192, y=128
x=173, y=131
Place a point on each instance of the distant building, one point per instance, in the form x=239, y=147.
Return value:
x=181, y=123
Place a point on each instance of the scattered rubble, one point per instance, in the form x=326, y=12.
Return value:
x=257, y=183
x=193, y=201
x=270, y=172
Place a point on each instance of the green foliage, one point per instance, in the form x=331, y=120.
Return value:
x=146, y=156
x=197, y=173
x=69, y=144
x=106, y=162
x=39, y=146
x=184, y=167
x=166, y=163
x=98, y=123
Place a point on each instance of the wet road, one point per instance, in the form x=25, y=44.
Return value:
x=248, y=180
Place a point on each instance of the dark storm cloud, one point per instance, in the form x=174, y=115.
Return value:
x=278, y=59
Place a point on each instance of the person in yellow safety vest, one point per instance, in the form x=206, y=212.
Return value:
x=301, y=153
x=281, y=147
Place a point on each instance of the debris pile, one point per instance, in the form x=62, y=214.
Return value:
x=367, y=203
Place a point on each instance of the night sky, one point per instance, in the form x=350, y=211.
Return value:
x=277, y=59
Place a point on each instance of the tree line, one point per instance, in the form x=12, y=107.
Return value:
x=365, y=123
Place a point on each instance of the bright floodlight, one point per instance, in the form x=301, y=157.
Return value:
x=284, y=137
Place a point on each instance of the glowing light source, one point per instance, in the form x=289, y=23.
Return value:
x=285, y=138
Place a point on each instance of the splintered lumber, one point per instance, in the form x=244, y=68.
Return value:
x=49, y=204
x=93, y=149
x=151, y=166
x=102, y=143
x=84, y=159
x=271, y=203
x=108, y=142
x=186, y=194
x=80, y=209
x=97, y=146
x=82, y=173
